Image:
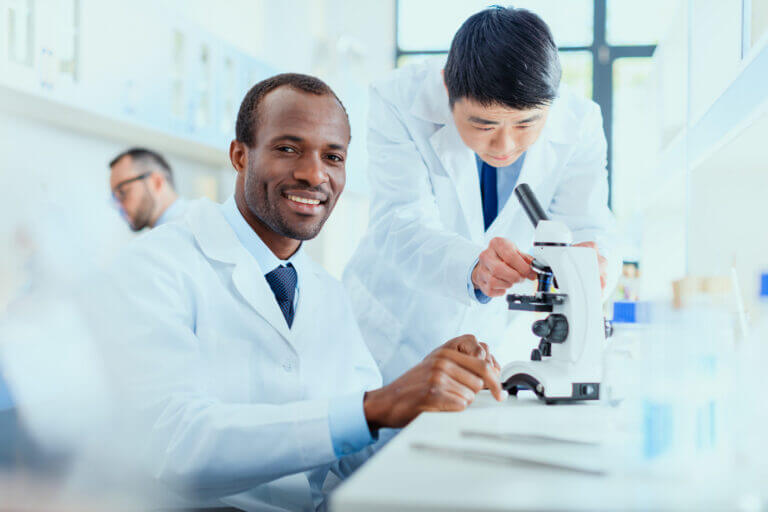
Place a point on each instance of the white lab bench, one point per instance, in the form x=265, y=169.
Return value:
x=404, y=477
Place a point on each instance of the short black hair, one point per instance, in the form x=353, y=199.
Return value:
x=148, y=159
x=247, y=116
x=503, y=55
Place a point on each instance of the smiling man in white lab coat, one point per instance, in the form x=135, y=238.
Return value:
x=447, y=145
x=241, y=355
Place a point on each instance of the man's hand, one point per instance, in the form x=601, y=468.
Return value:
x=602, y=263
x=446, y=380
x=468, y=344
x=500, y=266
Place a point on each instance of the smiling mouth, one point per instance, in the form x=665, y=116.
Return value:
x=303, y=200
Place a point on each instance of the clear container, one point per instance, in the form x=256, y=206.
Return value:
x=630, y=326
x=676, y=408
x=751, y=415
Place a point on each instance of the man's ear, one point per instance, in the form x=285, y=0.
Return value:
x=238, y=155
x=156, y=180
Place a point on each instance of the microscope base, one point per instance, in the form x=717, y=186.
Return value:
x=580, y=391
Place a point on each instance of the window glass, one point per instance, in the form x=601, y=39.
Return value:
x=69, y=34
x=203, y=117
x=415, y=58
x=229, y=97
x=577, y=72
x=178, y=70
x=431, y=24
x=634, y=23
x=759, y=21
x=577, y=68
x=634, y=135
x=19, y=30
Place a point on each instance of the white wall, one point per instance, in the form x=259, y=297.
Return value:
x=707, y=208
x=53, y=180
x=347, y=44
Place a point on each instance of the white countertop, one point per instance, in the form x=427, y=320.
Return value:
x=403, y=477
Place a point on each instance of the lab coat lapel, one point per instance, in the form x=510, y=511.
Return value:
x=460, y=164
x=431, y=104
x=250, y=282
x=305, y=319
x=218, y=242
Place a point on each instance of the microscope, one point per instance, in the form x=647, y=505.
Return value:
x=567, y=365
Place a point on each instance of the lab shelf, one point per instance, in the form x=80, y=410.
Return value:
x=742, y=103
x=66, y=112
x=734, y=109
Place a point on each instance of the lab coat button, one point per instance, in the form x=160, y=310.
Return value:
x=287, y=366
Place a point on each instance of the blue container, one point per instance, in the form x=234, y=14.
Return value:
x=630, y=312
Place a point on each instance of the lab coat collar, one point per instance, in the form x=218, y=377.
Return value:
x=562, y=124
x=218, y=241
x=266, y=259
x=174, y=211
x=459, y=163
x=431, y=100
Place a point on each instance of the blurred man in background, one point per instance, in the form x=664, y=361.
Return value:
x=142, y=184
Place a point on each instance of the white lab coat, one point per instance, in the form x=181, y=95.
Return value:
x=408, y=279
x=233, y=402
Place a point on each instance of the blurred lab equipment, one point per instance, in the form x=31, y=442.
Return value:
x=628, y=286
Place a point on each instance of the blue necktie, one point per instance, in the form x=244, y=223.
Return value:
x=283, y=280
x=489, y=193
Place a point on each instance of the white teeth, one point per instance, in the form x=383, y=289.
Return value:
x=303, y=200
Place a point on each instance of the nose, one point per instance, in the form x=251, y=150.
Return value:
x=311, y=170
x=504, y=142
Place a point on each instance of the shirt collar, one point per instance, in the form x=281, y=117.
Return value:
x=174, y=210
x=252, y=242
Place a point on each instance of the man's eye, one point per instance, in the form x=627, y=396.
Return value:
x=524, y=126
x=335, y=158
x=483, y=128
x=286, y=149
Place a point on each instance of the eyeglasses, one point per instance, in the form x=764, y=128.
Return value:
x=118, y=193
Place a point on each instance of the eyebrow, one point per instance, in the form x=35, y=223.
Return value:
x=292, y=138
x=480, y=120
x=534, y=117
x=296, y=138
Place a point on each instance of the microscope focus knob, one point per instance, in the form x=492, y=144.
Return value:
x=541, y=328
x=553, y=329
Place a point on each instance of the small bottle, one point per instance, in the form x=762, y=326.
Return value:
x=629, y=326
x=762, y=308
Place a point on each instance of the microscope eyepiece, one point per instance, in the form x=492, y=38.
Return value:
x=530, y=204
